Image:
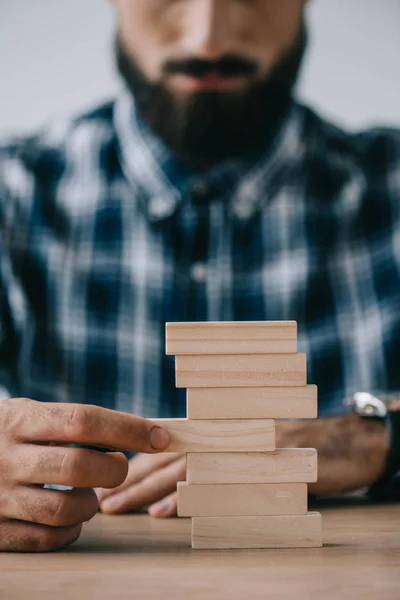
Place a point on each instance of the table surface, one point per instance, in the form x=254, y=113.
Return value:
x=143, y=558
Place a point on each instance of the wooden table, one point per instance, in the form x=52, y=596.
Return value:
x=141, y=558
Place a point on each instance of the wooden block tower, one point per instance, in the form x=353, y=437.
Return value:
x=241, y=491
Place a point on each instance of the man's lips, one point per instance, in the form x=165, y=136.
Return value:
x=211, y=81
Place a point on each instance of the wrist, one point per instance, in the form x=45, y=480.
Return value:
x=374, y=445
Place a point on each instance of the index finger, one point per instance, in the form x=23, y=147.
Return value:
x=90, y=425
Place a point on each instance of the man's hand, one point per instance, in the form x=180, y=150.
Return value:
x=351, y=455
x=34, y=439
x=151, y=484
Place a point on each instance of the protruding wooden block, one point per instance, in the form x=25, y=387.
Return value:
x=291, y=531
x=251, y=370
x=252, y=337
x=242, y=500
x=297, y=465
x=252, y=435
x=253, y=403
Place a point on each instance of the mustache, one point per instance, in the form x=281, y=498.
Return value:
x=227, y=66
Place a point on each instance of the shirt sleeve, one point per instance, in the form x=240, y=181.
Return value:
x=7, y=334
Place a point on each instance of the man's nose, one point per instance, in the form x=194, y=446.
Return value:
x=207, y=27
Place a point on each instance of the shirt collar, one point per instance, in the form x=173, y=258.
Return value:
x=164, y=181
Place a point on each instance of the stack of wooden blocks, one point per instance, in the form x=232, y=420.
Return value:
x=241, y=491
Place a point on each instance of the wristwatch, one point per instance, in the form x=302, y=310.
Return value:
x=387, y=408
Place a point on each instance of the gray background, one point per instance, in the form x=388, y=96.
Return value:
x=55, y=58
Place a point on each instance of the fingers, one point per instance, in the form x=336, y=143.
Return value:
x=75, y=423
x=167, y=507
x=49, y=507
x=151, y=489
x=18, y=536
x=140, y=467
x=37, y=519
x=74, y=467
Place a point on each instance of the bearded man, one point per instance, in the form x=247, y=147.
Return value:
x=205, y=191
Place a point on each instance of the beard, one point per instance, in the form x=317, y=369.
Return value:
x=207, y=128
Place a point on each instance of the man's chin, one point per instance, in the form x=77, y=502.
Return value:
x=205, y=121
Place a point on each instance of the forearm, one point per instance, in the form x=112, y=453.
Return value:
x=352, y=451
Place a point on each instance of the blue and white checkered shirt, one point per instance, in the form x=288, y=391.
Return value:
x=104, y=236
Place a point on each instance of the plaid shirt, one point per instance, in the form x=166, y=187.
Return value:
x=104, y=236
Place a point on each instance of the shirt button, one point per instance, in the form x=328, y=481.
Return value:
x=160, y=206
x=201, y=193
x=199, y=272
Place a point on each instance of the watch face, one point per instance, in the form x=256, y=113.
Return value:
x=368, y=405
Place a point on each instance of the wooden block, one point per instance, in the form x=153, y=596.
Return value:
x=247, y=370
x=290, y=531
x=253, y=435
x=253, y=403
x=233, y=499
x=253, y=337
x=297, y=465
